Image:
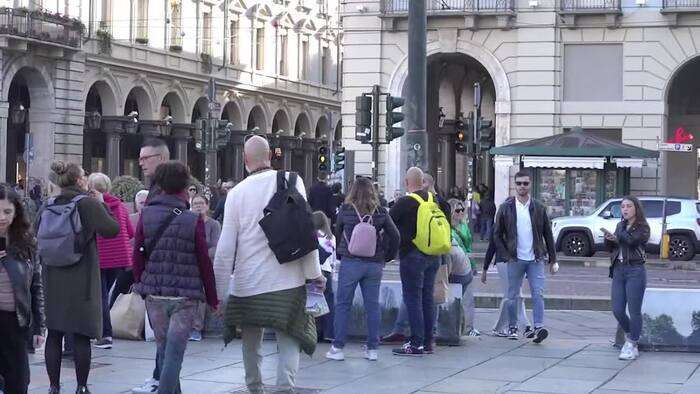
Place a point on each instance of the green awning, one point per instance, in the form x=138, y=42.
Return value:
x=575, y=143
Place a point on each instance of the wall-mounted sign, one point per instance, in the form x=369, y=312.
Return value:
x=671, y=147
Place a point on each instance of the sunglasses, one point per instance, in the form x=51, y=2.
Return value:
x=522, y=183
x=192, y=189
x=459, y=210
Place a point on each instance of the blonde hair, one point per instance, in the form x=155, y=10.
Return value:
x=100, y=182
x=454, y=204
x=65, y=174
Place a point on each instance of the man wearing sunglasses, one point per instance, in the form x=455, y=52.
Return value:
x=522, y=234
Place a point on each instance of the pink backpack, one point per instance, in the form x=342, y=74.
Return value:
x=363, y=240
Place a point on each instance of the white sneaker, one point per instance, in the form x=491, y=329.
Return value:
x=636, y=350
x=335, y=354
x=149, y=386
x=627, y=352
x=371, y=354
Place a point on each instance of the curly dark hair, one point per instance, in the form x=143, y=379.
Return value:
x=20, y=234
x=172, y=177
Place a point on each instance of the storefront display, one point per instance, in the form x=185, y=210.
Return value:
x=552, y=191
x=584, y=189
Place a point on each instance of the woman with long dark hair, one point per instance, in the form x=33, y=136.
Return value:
x=21, y=297
x=74, y=292
x=629, y=277
x=357, y=266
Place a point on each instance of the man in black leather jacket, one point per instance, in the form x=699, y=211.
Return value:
x=523, y=237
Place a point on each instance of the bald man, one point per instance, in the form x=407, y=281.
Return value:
x=417, y=269
x=258, y=276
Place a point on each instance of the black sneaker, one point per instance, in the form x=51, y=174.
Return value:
x=529, y=332
x=54, y=390
x=513, y=333
x=104, y=343
x=82, y=390
x=540, y=334
x=408, y=350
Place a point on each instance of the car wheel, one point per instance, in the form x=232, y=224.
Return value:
x=681, y=248
x=576, y=244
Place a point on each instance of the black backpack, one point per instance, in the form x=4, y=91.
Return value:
x=287, y=222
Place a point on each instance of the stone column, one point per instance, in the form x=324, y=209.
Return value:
x=113, y=154
x=309, y=147
x=4, y=110
x=42, y=125
x=502, y=166
x=237, y=142
x=287, y=145
x=182, y=133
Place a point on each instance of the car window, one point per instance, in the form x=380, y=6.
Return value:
x=673, y=207
x=614, y=208
x=697, y=207
x=653, y=208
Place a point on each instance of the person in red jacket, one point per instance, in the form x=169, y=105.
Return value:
x=114, y=253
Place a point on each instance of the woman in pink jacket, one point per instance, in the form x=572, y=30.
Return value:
x=115, y=253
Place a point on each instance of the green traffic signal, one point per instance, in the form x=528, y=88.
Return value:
x=339, y=159
x=486, y=134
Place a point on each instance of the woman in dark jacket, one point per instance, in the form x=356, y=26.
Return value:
x=629, y=277
x=21, y=297
x=73, y=293
x=362, y=202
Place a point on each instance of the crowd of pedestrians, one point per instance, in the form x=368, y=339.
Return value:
x=60, y=276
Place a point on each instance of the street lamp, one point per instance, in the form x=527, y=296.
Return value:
x=18, y=115
x=132, y=123
x=441, y=119
x=93, y=120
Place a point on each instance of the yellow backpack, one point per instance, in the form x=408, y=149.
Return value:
x=433, y=232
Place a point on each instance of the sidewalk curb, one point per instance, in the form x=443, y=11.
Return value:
x=553, y=302
x=604, y=262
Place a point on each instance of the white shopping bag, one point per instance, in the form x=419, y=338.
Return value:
x=150, y=336
x=316, y=304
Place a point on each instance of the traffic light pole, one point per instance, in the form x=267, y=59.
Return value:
x=376, y=92
x=475, y=140
x=416, y=133
x=210, y=164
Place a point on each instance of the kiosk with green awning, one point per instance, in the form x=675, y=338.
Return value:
x=576, y=171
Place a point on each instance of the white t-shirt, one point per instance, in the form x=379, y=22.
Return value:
x=243, y=244
x=525, y=238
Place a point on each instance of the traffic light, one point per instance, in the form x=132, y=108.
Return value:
x=339, y=159
x=223, y=134
x=198, y=135
x=461, y=137
x=486, y=134
x=323, y=158
x=363, y=118
x=393, y=118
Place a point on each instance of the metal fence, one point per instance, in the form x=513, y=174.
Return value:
x=681, y=4
x=41, y=26
x=583, y=5
x=451, y=6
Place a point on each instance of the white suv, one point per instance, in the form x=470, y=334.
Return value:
x=581, y=235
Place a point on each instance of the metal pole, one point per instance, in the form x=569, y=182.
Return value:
x=376, y=92
x=477, y=118
x=210, y=165
x=416, y=133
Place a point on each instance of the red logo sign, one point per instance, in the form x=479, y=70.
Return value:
x=680, y=136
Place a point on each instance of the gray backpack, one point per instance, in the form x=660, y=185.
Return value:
x=363, y=240
x=60, y=233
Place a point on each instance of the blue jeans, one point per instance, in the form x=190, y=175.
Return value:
x=486, y=224
x=418, y=272
x=535, y=277
x=628, y=285
x=107, y=276
x=172, y=322
x=368, y=275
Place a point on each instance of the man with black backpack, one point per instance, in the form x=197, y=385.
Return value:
x=270, y=240
x=425, y=235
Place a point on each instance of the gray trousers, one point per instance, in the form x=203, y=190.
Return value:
x=287, y=364
x=502, y=323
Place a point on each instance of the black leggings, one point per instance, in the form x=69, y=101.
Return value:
x=82, y=353
x=14, y=364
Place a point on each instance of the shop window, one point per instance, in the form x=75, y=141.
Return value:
x=593, y=72
x=653, y=208
x=584, y=189
x=552, y=191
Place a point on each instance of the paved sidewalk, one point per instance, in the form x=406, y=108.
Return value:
x=577, y=358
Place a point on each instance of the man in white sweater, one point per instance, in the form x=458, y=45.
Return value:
x=257, y=272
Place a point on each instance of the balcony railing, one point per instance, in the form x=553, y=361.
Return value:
x=457, y=7
x=591, y=6
x=681, y=5
x=41, y=26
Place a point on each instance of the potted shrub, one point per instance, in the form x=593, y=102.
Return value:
x=176, y=48
x=105, y=39
x=126, y=187
x=206, y=62
x=142, y=40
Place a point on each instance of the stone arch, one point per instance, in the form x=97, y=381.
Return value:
x=257, y=118
x=38, y=78
x=232, y=113
x=338, y=133
x=323, y=128
x=139, y=100
x=302, y=125
x=200, y=109
x=173, y=104
x=107, y=97
x=397, y=82
x=146, y=97
x=280, y=122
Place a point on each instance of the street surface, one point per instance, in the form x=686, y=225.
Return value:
x=577, y=358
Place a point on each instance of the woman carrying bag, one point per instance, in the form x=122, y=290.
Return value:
x=629, y=277
x=367, y=238
x=21, y=296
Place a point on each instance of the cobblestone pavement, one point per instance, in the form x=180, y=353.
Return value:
x=577, y=358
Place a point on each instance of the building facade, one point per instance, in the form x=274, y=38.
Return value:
x=87, y=81
x=628, y=70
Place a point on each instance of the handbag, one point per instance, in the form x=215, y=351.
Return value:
x=127, y=316
x=442, y=287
